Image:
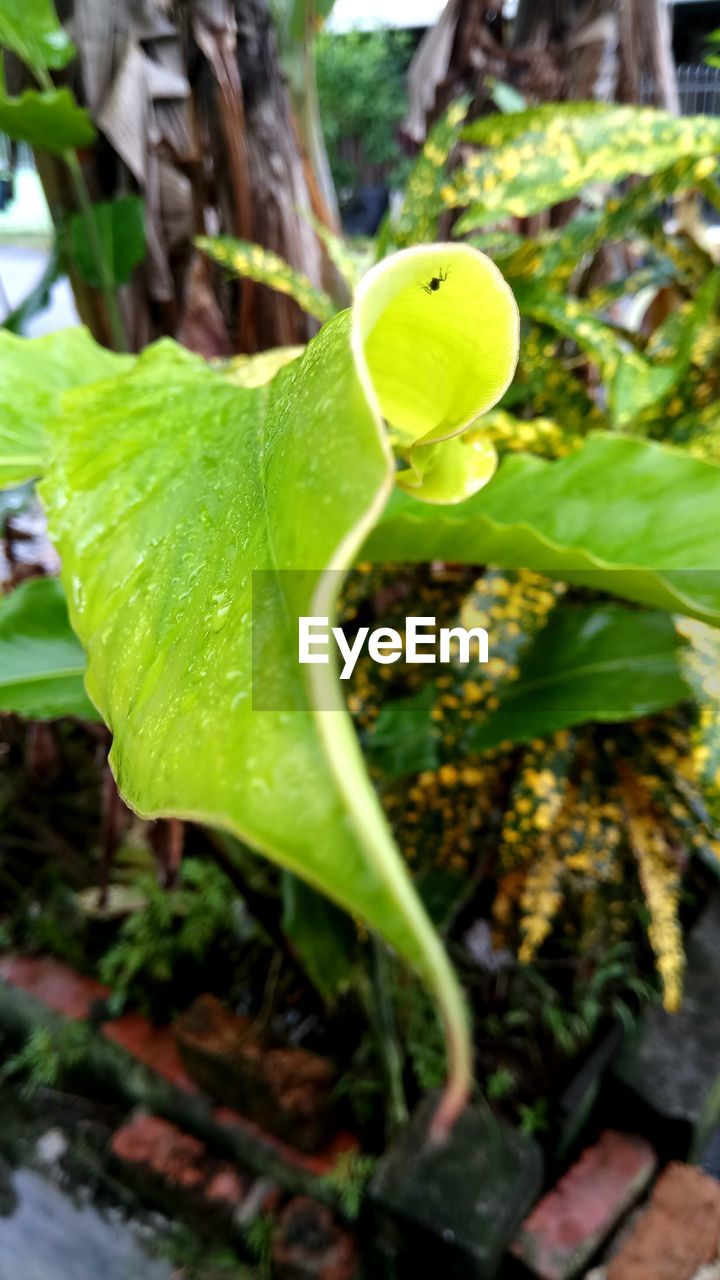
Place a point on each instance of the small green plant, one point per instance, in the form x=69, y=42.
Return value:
x=501, y=1084
x=171, y=483
x=258, y=1237
x=195, y=1259
x=172, y=924
x=534, y=1117
x=47, y=1056
x=348, y=1180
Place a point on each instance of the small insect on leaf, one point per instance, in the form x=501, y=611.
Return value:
x=433, y=285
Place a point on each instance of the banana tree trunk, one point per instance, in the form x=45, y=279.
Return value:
x=193, y=113
x=607, y=50
x=612, y=50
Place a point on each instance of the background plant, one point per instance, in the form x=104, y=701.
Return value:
x=361, y=89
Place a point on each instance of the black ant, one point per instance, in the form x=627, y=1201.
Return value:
x=433, y=285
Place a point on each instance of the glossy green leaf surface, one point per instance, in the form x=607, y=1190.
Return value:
x=623, y=515
x=51, y=120
x=30, y=28
x=166, y=491
x=33, y=376
x=41, y=659
x=171, y=486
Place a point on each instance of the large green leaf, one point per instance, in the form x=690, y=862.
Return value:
x=33, y=376
x=30, y=28
x=598, y=662
x=172, y=488
x=624, y=515
x=602, y=663
x=549, y=154
x=41, y=660
x=51, y=120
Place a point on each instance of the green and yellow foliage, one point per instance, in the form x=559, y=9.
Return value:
x=587, y=829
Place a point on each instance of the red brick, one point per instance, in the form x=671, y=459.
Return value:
x=179, y=1161
x=162, y=1148
x=61, y=989
x=53, y=984
x=153, y=1046
x=320, y=1163
x=225, y=1187
x=678, y=1233
x=287, y=1090
x=567, y=1226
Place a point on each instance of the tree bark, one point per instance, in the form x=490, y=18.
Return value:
x=606, y=50
x=193, y=113
x=612, y=50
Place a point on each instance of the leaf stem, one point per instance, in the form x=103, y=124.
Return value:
x=117, y=328
x=107, y=288
x=384, y=1018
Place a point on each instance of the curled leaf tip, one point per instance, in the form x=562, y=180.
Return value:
x=435, y=336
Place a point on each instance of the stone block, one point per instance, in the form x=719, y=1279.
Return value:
x=450, y=1208
x=672, y=1065
x=177, y=1169
x=53, y=984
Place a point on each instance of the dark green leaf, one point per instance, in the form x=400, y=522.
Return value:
x=321, y=934
x=30, y=28
x=42, y=663
x=121, y=232
x=622, y=515
x=51, y=120
x=403, y=740
x=601, y=663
